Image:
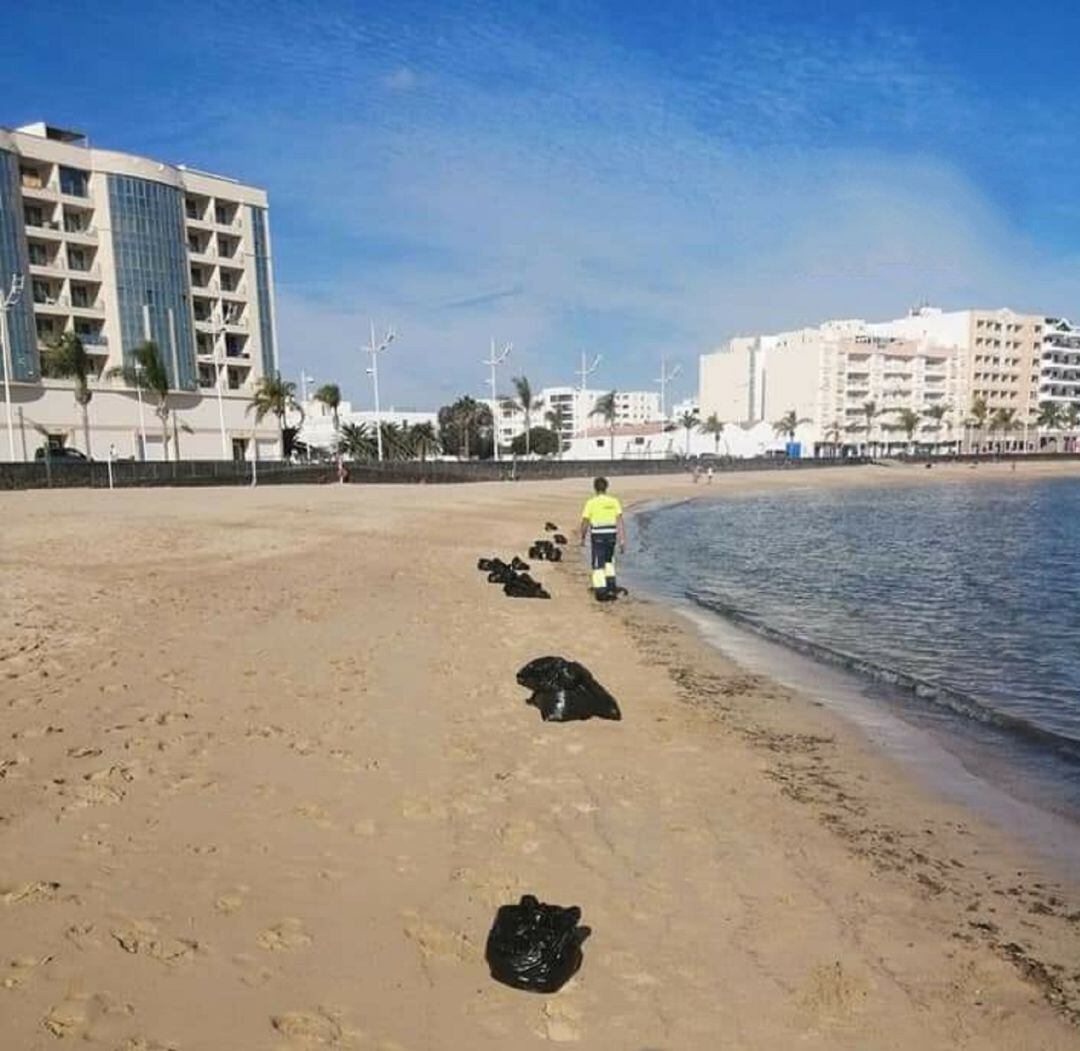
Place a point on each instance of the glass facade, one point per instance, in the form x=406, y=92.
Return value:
x=152, y=275
x=14, y=260
x=262, y=278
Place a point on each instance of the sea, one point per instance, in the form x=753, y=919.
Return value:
x=945, y=619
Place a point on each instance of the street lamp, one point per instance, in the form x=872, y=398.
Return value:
x=664, y=379
x=224, y=317
x=18, y=282
x=374, y=350
x=492, y=362
x=142, y=417
x=585, y=372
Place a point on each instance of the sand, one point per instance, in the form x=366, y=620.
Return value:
x=265, y=776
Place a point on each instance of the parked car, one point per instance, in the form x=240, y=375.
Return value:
x=62, y=455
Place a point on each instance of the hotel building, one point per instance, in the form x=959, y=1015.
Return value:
x=929, y=358
x=119, y=249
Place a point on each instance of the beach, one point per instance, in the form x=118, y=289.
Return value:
x=266, y=775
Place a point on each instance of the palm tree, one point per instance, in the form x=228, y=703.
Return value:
x=330, y=396
x=714, y=426
x=605, y=408
x=688, y=420
x=524, y=402
x=274, y=396
x=788, y=424
x=908, y=422
x=468, y=412
x=833, y=434
x=146, y=370
x=395, y=440
x=556, y=418
x=1070, y=418
x=1050, y=417
x=980, y=413
x=1004, y=420
x=66, y=358
x=424, y=440
x=869, y=410
x=938, y=414
x=356, y=442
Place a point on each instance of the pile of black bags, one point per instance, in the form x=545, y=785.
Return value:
x=544, y=551
x=514, y=577
x=535, y=946
x=565, y=690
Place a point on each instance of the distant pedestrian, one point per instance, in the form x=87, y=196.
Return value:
x=602, y=522
x=708, y=475
x=695, y=473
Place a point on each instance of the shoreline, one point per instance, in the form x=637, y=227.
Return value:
x=268, y=775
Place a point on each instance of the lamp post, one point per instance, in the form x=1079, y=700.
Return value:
x=664, y=379
x=585, y=372
x=142, y=417
x=224, y=317
x=493, y=362
x=7, y=301
x=374, y=350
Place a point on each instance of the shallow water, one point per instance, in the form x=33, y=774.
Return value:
x=956, y=604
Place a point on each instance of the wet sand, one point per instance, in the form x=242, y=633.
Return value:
x=265, y=776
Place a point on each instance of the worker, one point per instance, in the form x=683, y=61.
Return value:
x=602, y=520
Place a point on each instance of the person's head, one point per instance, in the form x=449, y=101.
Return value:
x=600, y=485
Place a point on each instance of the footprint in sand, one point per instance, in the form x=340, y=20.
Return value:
x=559, y=1022
x=830, y=993
x=319, y=1028
x=143, y=939
x=366, y=827
x=227, y=904
x=287, y=935
x=314, y=813
x=438, y=942
x=140, y=1043
x=27, y=893
x=85, y=1015
x=21, y=968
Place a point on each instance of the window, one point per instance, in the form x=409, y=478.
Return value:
x=73, y=182
x=38, y=256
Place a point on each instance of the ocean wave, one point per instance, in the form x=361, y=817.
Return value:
x=945, y=697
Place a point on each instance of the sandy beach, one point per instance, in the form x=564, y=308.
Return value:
x=266, y=775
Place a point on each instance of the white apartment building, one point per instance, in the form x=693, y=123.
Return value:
x=827, y=375
x=1059, y=363
x=632, y=408
x=318, y=427
x=120, y=249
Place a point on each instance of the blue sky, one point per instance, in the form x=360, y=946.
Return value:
x=620, y=177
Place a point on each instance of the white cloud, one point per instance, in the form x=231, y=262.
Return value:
x=402, y=79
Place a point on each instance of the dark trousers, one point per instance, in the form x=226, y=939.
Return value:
x=603, y=561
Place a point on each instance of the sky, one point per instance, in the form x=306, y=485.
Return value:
x=627, y=179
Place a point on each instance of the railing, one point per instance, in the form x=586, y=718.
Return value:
x=91, y=270
x=93, y=339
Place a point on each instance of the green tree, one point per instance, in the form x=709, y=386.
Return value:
x=688, y=420
x=357, y=442
x=980, y=415
x=146, y=370
x=714, y=426
x=66, y=358
x=395, y=441
x=907, y=420
x=1004, y=420
x=870, y=412
x=556, y=418
x=788, y=424
x=329, y=394
x=938, y=413
x=541, y=440
x=424, y=441
x=606, y=409
x=833, y=434
x=1070, y=418
x=274, y=396
x=467, y=427
x=524, y=402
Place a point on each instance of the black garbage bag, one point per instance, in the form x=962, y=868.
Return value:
x=523, y=586
x=565, y=690
x=519, y=565
x=485, y=565
x=551, y=527
x=535, y=946
x=560, y=539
